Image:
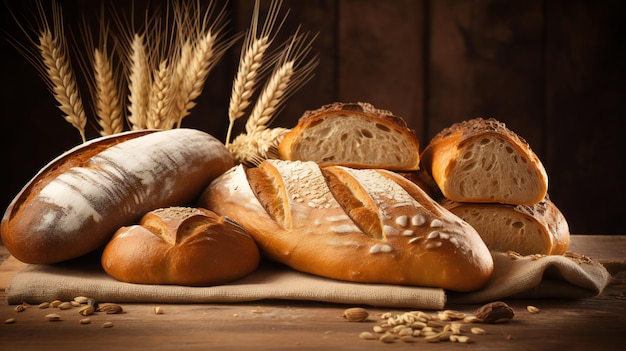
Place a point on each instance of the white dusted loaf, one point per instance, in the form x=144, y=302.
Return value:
x=76, y=202
x=365, y=225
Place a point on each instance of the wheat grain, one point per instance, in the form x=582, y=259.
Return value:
x=61, y=78
x=138, y=83
x=108, y=108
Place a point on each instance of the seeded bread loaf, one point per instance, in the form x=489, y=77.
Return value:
x=354, y=135
x=182, y=246
x=77, y=201
x=527, y=230
x=480, y=160
x=362, y=225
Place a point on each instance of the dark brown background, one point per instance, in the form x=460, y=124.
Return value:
x=553, y=71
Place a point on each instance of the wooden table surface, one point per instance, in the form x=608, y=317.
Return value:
x=597, y=323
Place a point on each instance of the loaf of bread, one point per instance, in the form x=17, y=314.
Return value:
x=77, y=201
x=480, y=160
x=181, y=246
x=527, y=230
x=354, y=135
x=362, y=225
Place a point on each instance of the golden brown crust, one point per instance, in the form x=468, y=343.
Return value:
x=76, y=202
x=289, y=145
x=363, y=108
x=181, y=246
x=444, y=152
x=421, y=244
x=544, y=217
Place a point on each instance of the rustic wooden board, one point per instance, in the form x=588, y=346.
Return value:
x=594, y=323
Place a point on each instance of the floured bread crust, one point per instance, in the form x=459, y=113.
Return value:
x=370, y=226
x=76, y=203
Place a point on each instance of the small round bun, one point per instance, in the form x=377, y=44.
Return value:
x=181, y=246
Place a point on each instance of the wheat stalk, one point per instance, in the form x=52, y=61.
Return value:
x=139, y=83
x=202, y=47
x=101, y=78
x=288, y=76
x=270, y=99
x=245, y=81
x=159, y=98
x=63, y=85
x=250, y=62
x=108, y=108
x=200, y=63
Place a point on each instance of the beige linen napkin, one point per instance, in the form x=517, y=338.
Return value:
x=39, y=283
x=569, y=276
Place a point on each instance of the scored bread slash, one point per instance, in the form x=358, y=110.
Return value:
x=371, y=226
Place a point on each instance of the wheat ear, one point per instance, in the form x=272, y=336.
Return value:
x=270, y=99
x=250, y=63
x=196, y=74
x=59, y=72
x=108, y=107
x=159, y=97
x=139, y=83
x=290, y=73
x=206, y=49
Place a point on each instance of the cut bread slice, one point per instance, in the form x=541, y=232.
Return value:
x=354, y=135
x=483, y=161
x=527, y=230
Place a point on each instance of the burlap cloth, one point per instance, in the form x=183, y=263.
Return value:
x=568, y=276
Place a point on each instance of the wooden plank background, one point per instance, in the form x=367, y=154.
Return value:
x=553, y=70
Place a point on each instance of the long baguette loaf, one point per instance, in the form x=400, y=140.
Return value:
x=76, y=202
x=481, y=160
x=527, y=230
x=354, y=135
x=366, y=225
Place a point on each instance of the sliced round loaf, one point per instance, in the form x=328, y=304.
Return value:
x=182, y=246
x=480, y=160
x=354, y=135
x=527, y=230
